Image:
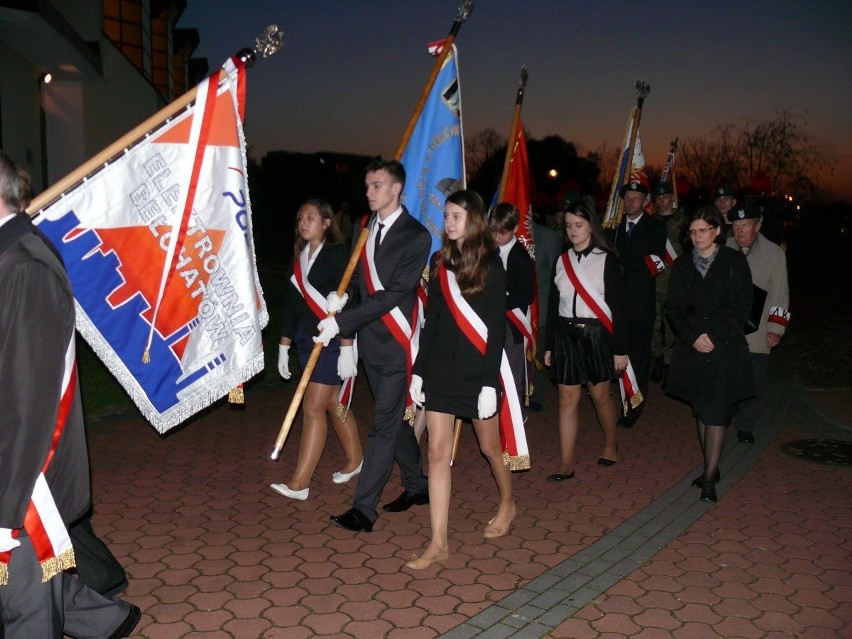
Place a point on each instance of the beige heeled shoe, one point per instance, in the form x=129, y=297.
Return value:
x=419, y=563
x=492, y=532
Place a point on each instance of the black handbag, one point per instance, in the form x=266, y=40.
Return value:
x=758, y=300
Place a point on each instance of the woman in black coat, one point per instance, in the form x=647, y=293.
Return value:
x=708, y=303
x=451, y=375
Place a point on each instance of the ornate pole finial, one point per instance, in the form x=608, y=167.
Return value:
x=642, y=89
x=267, y=44
x=465, y=9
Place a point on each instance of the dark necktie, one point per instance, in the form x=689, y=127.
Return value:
x=378, y=237
x=630, y=226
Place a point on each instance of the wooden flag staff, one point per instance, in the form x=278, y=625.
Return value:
x=513, y=132
x=642, y=91
x=464, y=10
x=266, y=45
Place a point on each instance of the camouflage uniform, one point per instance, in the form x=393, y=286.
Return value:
x=662, y=339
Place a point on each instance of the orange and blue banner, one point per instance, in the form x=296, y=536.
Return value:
x=159, y=251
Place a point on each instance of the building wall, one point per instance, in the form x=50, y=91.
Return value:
x=19, y=121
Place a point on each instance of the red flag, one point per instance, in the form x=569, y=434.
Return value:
x=517, y=192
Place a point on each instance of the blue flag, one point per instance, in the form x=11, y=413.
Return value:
x=434, y=156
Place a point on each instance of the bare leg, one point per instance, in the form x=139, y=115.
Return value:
x=440, y=427
x=488, y=434
x=569, y=425
x=314, y=432
x=347, y=432
x=607, y=416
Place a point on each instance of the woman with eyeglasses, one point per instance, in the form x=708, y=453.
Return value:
x=708, y=304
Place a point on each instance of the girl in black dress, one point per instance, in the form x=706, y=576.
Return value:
x=585, y=345
x=456, y=377
x=320, y=258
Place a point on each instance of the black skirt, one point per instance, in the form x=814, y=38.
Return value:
x=462, y=406
x=582, y=352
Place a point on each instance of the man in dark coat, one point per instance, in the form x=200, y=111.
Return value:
x=42, y=442
x=381, y=294
x=640, y=241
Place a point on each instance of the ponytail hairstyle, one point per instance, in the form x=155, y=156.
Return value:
x=470, y=261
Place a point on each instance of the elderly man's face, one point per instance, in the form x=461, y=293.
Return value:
x=745, y=231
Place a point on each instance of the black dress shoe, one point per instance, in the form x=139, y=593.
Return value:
x=745, y=437
x=560, y=477
x=626, y=422
x=708, y=492
x=698, y=482
x=354, y=520
x=657, y=371
x=405, y=501
x=128, y=624
x=603, y=461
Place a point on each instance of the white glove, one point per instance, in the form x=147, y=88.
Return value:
x=284, y=360
x=347, y=366
x=416, y=390
x=335, y=303
x=487, y=402
x=328, y=329
x=6, y=540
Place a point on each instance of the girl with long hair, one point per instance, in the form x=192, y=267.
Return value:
x=586, y=296
x=452, y=377
x=319, y=260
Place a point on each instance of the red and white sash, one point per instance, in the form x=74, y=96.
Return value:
x=406, y=332
x=523, y=322
x=513, y=438
x=631, y=396
x=319, y=307
x=671, y=254
x=42, y=521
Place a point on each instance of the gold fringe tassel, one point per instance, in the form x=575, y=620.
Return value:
x=236, y=395
x=4, y=574
x=53, y=566
x=519, y=462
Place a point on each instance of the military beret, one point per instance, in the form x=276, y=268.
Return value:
x=722, y=191
x=663, y=188
x=744, y=213
x=634, y=185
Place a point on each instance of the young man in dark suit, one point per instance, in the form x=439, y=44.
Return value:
x=520, y=288
x=396, y=254
x=640, y=241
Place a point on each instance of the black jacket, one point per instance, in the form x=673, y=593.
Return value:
x=648, y=238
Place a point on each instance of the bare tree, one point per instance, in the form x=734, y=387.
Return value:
x=480, y=148
x=777, y=148
x=607, y=158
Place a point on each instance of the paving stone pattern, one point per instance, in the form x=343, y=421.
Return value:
x=625, y=551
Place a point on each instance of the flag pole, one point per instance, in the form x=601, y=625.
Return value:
x=642, y=91
x=267, y=44
x=513, y=132
x=464, y=11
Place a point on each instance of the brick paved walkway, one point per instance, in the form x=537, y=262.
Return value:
x=626, y=551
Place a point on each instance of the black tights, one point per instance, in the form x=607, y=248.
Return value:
x=712, y=439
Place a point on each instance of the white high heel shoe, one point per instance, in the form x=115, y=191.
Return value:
x=342, y=478
x=282, y=489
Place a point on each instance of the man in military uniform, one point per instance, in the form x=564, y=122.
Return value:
x=724, y=200
x=675, y=221
x=640, y=240
x=768, y=266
